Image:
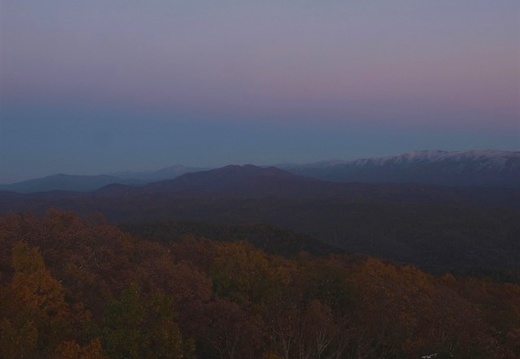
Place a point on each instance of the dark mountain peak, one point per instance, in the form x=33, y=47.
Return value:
x=243, y=179
x=240, y=171
x=235, y=168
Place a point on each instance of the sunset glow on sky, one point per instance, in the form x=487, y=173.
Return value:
x=89, y=87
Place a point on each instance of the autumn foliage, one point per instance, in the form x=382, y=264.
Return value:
x=82, y=288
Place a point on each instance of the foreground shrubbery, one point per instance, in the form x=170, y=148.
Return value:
x=74, y=288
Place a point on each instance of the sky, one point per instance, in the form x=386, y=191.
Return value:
x=90, y=87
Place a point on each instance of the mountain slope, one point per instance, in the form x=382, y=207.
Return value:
x=159, y=175
x=63, y=182
x=471, y=168
x=233, y=179
x=438, y=228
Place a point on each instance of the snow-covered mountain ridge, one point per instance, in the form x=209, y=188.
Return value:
x=495, y=157
x=461, y=168
x=478, y=167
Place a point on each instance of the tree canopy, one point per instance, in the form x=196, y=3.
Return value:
x=74, y=287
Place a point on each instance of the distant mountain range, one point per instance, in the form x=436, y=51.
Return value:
x=64, y=182
x=471, y=168
x=437, y=227
x=79, y=183
x=490, y=168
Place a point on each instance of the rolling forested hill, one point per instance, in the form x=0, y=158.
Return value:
x=464, y=230
x=82, y=288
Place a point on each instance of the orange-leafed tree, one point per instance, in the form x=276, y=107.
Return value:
x=36, y=315
x=72, y=350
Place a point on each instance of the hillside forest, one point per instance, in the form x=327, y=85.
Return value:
x=79, y=287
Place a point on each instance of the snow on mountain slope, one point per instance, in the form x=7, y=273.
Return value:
x=495, y=157
x=479, y=167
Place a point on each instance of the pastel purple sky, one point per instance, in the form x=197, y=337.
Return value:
x=94, y=86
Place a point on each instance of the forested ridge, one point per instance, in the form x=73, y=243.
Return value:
x=74, y=287
x=461, y=230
